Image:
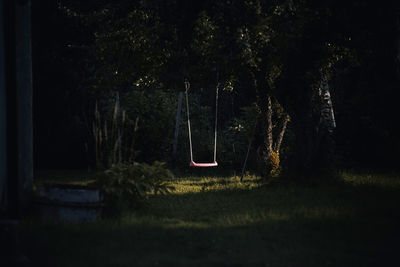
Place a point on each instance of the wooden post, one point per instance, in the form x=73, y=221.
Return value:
x=11, y=192
x=398, y=44
x=178, y=119
x=23, y=68
x=3, y=116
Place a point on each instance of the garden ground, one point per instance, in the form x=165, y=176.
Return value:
x=219, y=221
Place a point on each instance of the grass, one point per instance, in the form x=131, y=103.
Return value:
x=218, y=221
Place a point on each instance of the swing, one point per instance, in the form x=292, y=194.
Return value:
x=192, y=162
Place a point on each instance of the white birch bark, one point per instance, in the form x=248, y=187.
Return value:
x=118, y=127
x=278, y=142
x=327, y=119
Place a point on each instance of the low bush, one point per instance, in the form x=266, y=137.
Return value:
x=126, y=186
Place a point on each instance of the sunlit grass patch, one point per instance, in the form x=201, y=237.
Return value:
x=201, y=184
x=372, y=179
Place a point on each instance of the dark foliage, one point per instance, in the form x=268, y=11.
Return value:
x=85, y=51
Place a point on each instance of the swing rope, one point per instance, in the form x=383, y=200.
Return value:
x=192, y=163
x=187, y=86
x=216, y=123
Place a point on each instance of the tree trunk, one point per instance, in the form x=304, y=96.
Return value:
x=282, y=129
x=117, y=102
x=264, y=152
x=324, y=146
x=178, y=119
x=327, y=119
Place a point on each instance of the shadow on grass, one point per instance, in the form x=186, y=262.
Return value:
x=222, y=172
x=206, y=184
x=278, y=225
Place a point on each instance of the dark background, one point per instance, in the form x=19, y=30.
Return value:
x=365, y=97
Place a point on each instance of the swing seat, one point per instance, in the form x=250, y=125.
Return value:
x=212, y=164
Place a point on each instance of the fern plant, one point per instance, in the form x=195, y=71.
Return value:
x=128, y=185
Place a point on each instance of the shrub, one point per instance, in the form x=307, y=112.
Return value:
x=274, y=161
x=127, y=185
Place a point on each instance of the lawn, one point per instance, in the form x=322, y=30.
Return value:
x=218, y=221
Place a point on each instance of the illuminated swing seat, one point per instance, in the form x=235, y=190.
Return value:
x=211, y=164
x=192, y=162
